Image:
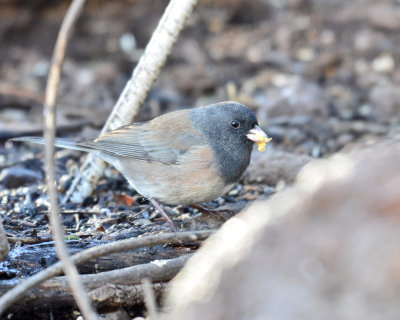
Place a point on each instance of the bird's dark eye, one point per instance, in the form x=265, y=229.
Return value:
x=235, y=124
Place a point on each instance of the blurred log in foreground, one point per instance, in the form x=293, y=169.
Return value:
x=329, y=248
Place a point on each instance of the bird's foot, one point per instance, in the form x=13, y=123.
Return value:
x=216, y=214
x=170, y=223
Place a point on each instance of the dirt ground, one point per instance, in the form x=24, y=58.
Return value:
x=321, y=76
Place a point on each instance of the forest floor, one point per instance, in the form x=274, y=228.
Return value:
x=320, y=75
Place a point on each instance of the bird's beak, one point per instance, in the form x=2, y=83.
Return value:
x=258, y=135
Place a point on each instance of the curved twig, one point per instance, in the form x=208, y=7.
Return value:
x=49, y=113
x=173, y=238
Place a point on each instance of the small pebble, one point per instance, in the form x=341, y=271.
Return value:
x=268, y=190
x=365, y=110
x=383, y=64
x=305, y=54
x=105, y=211
x=15, y=177
x=233, y=192
x=127, y=43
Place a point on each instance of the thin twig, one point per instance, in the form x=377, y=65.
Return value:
x=49, y=113
x=150, y=299
x=21, y=240
x=135, y=91
x=173, y=238
x=37, y=240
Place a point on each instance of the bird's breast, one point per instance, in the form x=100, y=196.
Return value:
x=195, y=178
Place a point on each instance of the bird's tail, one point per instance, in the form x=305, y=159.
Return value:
x=59, y=142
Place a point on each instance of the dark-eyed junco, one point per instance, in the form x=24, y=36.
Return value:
x=183, y=157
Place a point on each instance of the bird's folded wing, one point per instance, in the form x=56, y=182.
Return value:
x=165, y=140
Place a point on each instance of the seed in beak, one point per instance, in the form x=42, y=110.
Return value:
x=258, y=135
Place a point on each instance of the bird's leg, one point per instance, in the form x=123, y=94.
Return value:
x=214, y=213
x=164, y=215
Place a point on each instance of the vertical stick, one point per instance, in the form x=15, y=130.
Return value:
x=49, y=113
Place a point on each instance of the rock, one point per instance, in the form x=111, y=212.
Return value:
x=15, y=177
x=326, y=249
x=324, y=64
x=385, y=101
x=384, y=16
x=344, y=139
x=299, y=4
x=298, y=97
x=378, y=15
x=344, y=101
x=192, y=80
x=272, y=166
x=383, y=64
x=368, y=40
x=277, y=133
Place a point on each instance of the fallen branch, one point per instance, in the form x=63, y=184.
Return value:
x=21, y=240
x=57, y=293
x=110, y=296
x=115, y=296
x=28, y=256
x=23, y=288
x=135, y=91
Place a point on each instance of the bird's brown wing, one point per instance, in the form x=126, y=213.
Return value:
x=164, y=139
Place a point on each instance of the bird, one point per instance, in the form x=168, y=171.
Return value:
x=183, y=157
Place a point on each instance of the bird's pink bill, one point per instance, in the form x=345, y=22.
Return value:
x=259, y=136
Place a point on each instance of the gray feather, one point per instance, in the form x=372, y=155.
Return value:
x=231, y=146
x=59, y=142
